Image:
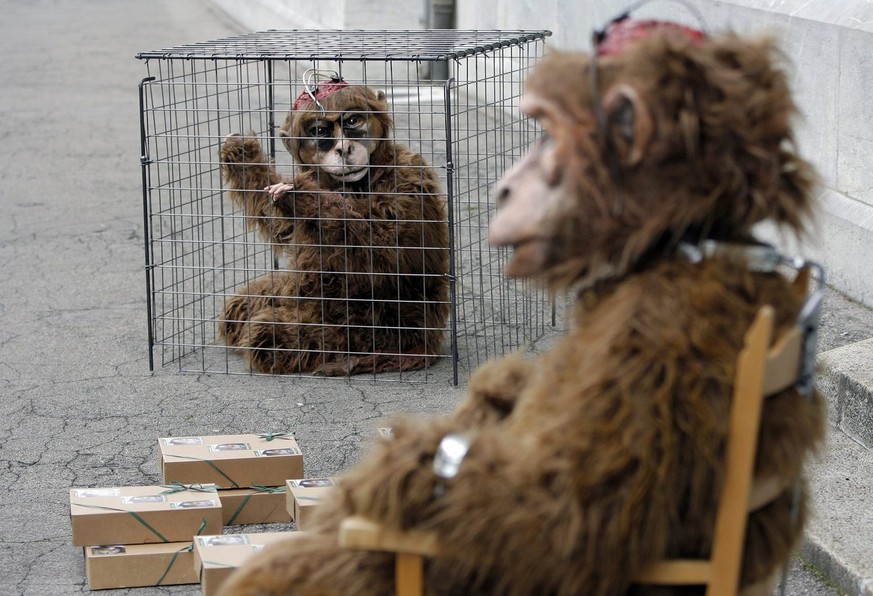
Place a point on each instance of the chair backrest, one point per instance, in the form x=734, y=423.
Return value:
x=761, y=371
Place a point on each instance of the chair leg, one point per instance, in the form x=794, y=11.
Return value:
x=409, y=575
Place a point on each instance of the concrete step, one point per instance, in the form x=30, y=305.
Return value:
x=846, y=380
x=839, y=537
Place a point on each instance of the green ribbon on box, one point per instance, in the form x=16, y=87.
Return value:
x=270, y=436
x=135, y=515
x=258, y=488
x=268, y=489
x=184, y=549
x=178, y=487
x=233, y=483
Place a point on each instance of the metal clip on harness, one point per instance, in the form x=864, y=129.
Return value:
x=447, y=462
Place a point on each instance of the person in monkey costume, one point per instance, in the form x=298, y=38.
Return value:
x=568, y=474
x=363, y=224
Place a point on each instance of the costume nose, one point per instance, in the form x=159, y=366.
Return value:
x=501, y=194
x=343, y=146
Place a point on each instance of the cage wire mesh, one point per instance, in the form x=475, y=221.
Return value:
x=453, y=97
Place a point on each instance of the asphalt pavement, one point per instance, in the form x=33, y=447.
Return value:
x=78, y=404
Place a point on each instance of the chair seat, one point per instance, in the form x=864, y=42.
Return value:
x=676, y=572
x=360, y=533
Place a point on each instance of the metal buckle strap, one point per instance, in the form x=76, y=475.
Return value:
x=447, y=461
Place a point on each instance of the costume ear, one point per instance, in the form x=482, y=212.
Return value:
x=630, y=122
x=287, y=141
x=287, y=135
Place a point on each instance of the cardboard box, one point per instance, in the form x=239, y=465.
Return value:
x=264, y=505
x=304, y=496
x=231, y=461
x=142, y=514
x=138, y=565
x=216, y=557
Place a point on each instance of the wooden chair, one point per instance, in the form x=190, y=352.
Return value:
x=761, y=371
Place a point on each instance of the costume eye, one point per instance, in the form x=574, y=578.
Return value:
x=545, y=141
x=318, y=130
x=353, y=120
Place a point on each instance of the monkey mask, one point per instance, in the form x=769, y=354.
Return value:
x=660, y=135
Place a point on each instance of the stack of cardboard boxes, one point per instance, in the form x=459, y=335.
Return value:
x=173, y=533
x=141, y=535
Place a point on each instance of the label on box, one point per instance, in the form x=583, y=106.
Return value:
x=232, y=461
x=182, y=441
x=222, y=540
x=229, y=447
x=274, y=452
x=93, y=493
x=196, y=504
x=144, y=499
x=311, y=483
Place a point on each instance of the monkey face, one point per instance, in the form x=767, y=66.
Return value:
x=672, y=140
x=549, y=205
x=341, y=139
x=528, y=201
x=340, y=144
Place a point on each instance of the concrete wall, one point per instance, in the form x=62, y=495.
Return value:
x=259, y=15
x=830, y=46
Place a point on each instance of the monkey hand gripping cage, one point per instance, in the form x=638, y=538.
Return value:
x=395, y=281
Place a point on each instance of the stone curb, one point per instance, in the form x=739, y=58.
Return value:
x=839, y=537
x=846, y=381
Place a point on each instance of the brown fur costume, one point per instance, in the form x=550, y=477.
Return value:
x=607, y=452
x=367, y=289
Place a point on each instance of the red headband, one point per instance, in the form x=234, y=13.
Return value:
x=321, y=91
x=621, y=34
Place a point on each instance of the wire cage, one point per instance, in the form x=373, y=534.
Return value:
x=215, y=262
